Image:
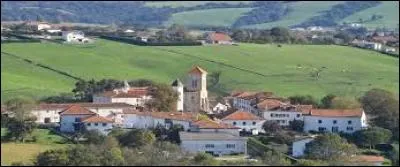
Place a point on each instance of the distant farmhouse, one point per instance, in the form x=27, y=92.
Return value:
x=219, y=38
x=74, y=37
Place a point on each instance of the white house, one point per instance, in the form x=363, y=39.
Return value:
x=136, y=96
x=246, y=121
x=219, y=38
x=43, y=26
x=247, y=101
x=284, y=113
x=219, y=107
x=71, y=118
x=335, y=120
x=373, y=45
x=74, y=36
x=99, y=123
x=216, y=143
x=129, y=31
x=299, y=146
x=213, y=126
x=49, y=113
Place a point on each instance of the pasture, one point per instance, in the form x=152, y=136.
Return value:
x=284, y=70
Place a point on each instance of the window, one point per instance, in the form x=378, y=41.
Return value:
x=321, y=129
x=349, y=128
x=349, y=122
x=104, y=124
x=77, y=119
x=209, y=145
x=95, y=124
x=283, y=121
x=47, y=120
x=335, y=129
x=334, y=121
x=88, y=124
x=47, y=111
x=254, y=123
x=319, y=121
x=272, y=115
x=244, y=123
x=234, y=123
x=298, y=115
x=230, y=146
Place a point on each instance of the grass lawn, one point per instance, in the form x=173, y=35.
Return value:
x=284, y=70
x=25, y=152
x=209, y=17
x=388, y=9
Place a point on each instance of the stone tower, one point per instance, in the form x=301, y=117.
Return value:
x=196, y=95
x=178, y=87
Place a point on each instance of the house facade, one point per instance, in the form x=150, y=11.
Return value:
x=327, y=120
x=284, y=113
x=299, y=146
x=246, y=121
x=71, y=117
x=216, y=143
x=98, y=123
x=219, y=38
x=74, y=36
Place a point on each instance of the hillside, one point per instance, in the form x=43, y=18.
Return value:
x=239, y=14
x=284, y=70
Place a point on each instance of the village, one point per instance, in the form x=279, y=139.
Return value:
x=224, y=132
x=221, y=128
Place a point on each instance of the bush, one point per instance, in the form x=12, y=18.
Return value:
x=48, y=126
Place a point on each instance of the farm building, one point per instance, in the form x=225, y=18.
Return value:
x=74, y=36
x=246, y=121
x=219, y=38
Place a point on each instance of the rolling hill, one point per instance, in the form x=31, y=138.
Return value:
x=203, y=13
x=284, y=70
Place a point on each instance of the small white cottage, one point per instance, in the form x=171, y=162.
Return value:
x=74, y=36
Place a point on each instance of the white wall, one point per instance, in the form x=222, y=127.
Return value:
x=103, y=128
x=311, y=123
x=67, y=122
x=179, y=90
x=220, y=147
x=249, y=124
x=42, y=114
x=299, y=147
x=43, y=26
x=230, y=131
x=283, y=117
x=101, y=99
x=137, y=121
x=132, y=100
x=243, y=104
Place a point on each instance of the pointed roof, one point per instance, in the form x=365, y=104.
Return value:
x=177, y=82
x=197, y=70
x=242, y=115
x=97, y=119
x=76, y=110
x=209, y=124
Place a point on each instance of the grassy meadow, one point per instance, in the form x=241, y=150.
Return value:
x=284, y=70
x=26, y=152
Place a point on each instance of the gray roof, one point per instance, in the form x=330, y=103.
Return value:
x=208, y=136
x=177, y=82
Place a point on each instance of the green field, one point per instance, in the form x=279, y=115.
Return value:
x=302, y=11
x=18, y=152
x=209, y=17
x=349, y=71
x=389, y=10
x=175, y=4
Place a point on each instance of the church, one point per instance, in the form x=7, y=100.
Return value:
x=193, y=96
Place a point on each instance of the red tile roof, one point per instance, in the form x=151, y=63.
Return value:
x=305, y=109
x=197, y=70
x=76, y=110
x=132, y=92
x=209, y=124
x=369, y=158
x=269, y=104
x=215, y=36
x=242, y=115
x=97, y=119
x=54, y=106
x=336, y=112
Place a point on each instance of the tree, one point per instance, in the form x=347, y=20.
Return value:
x=305, y=100
x=136, y=138
x=214, y=78
x=94, y=137
x=271, y=126
x=326, y=101
x=385, y=107
x=329, y=147
x=345, y=103
x=164, y=98
x=22, y=124
x=57, y=157
x=372, y=136
x=296, y=125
